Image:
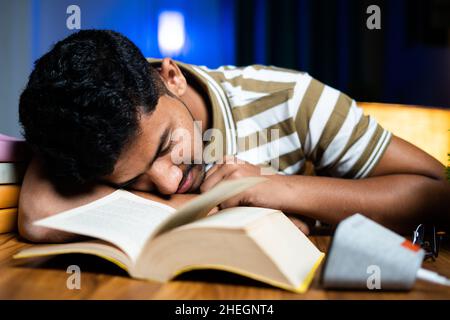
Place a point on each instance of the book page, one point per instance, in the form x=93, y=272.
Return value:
x=204, y=203
x=121, y=218
x=232, y=218
x=129, y=221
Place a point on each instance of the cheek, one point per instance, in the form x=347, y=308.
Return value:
x=143, y=184
x=195, y=146
x=197, y=143
x=193, y=142
x=188, y=144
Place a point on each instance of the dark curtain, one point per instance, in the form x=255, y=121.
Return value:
x=330, y=40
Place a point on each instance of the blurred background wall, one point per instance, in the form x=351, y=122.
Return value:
x=406, y=61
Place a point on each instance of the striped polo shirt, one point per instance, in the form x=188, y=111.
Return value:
x=269, y=114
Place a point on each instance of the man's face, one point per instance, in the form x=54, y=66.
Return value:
x=161, y=157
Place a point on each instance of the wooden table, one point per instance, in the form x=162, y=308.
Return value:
x=46, y=277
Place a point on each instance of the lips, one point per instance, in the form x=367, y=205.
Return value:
x=186, y=183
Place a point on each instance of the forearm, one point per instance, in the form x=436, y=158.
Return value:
x=40, y=198
x=397, y=201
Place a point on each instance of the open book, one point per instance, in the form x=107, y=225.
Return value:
x=156, y=242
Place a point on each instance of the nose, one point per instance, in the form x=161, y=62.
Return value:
x=165, y=176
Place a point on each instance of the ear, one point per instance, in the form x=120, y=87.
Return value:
x=173, y=77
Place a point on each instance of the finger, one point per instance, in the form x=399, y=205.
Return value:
x=213, y=169
x=230, y=203
x=213, y=211
x=213, y=179
x=300, y=224
x=218, y=164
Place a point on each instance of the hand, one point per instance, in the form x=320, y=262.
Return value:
x=213, y=211
x=266, y=194
x=303, y=226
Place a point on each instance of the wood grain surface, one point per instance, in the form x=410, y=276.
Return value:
x=45, y=278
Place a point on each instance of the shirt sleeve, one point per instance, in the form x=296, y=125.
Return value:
x=335, y=134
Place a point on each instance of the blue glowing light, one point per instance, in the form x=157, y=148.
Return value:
x=171, y=33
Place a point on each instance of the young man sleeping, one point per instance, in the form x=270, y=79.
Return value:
x=99, y=116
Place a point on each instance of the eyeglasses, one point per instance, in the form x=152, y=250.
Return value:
x=428, y=239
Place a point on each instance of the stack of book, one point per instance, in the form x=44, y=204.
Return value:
x=13, y=161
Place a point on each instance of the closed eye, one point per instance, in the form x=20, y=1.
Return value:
x=129, y=183
x=168, y=149
x=162, y=153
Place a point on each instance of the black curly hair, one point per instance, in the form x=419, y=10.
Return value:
x=82, y=103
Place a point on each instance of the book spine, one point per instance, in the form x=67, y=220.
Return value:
x=9, y=195
x=8, y=220
x=11, y=173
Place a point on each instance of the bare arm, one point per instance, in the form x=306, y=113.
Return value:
x=39, y=198
x=407, y=187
